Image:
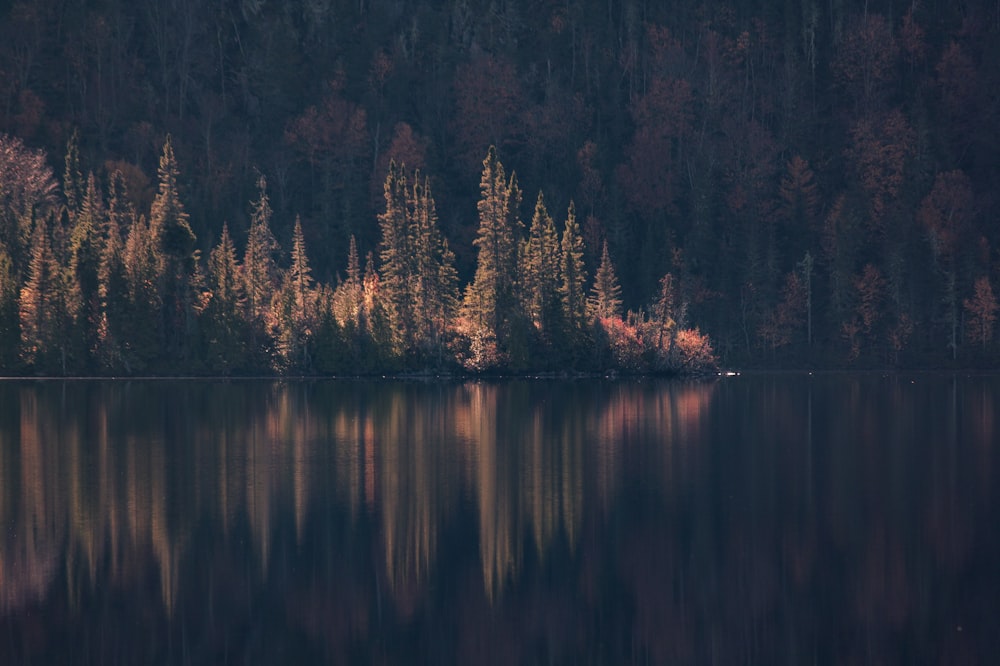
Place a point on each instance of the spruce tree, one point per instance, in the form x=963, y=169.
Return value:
x=488, y=299
x=435, y=276
x=606, y=295
x=223, y=330
x=112, y=285
x=43, y=312
x=10, y=329
x=141, y=325
x=259, y=269
x=573, y=273
x=84, y=266
x=540, y=268
x=73, y=185
x=293, y=307
x=396, y=255
x=175, y=243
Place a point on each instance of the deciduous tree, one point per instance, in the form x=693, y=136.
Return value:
x=982, y=309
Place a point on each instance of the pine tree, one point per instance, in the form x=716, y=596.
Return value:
x=540, y=270
x=396, y=254
x=489, y=299
x=10, y=330
x=43, y=313
x=175, y=242
x=259, y=268
x=141, y=324
x=299, y=274
x=293, y=306
x=605, y=296
x=112, y=289
x=223, y=330
x=435, y=277
x=73, y=185
x=573, y=273
x=84, y=266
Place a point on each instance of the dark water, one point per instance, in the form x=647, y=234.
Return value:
x=842, y=519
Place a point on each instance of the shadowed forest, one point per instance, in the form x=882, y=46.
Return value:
x=385, y=186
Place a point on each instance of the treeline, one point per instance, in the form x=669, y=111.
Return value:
x=819, y=178
x=90, y=285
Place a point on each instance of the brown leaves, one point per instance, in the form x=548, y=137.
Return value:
x=879, y=150
x=946, y=212
x=336, y=126
x=488, y=99
x=866, y=59
x=663, y=116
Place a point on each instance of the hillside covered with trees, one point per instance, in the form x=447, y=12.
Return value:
x=239, y=187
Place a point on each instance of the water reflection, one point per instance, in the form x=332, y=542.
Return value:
x=843, y=519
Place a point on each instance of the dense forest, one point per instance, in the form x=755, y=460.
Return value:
x=244, y=187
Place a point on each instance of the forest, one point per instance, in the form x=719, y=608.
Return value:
x=332, y=187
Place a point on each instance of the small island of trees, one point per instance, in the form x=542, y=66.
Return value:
x=90, y=285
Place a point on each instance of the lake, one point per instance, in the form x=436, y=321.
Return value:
x=758, y=519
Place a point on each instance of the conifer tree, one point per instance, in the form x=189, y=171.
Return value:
x=540, y=268
x=489, y=298
x=293, y=307
x=300, y=275
x=223, y=329
x=73, y=185
x=141, y=325
x=573, y=273
x=84, y=265
x=43, y=315
x=354, y=293
x=10, y=330
x=436, y=279
x=605, y=296
x=396, y=254
x=259, y=268
x=112, y=287
x=175, y=242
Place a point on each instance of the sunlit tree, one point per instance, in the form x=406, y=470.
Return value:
x=490, y=298
x=572, y=273
x=606, y=294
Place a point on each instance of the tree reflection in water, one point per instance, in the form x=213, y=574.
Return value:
x=832, y=519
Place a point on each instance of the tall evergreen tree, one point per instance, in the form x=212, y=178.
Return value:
x=141, y=325
x=86, y=243
x=489, y=299
x=435, y=277
x=606, y=295
x=540, y=266
x=259, y=268
x=43, y=313
x=10, y=330
x=73, y=185
x=175, y=242
x=573, y=273
x=112, y=289
x=396, y=255
x=223, y=330
x=294, y=306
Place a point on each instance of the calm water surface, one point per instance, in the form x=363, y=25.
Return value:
x=838, y=519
